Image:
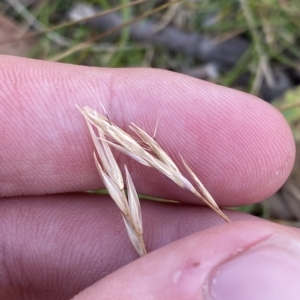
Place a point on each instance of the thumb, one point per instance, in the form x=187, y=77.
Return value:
x=242, y=260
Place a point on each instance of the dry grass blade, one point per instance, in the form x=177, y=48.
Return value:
x=158, y=159
x=71, y=23
x=87, y=44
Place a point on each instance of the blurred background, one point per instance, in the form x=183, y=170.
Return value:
x=250, y=45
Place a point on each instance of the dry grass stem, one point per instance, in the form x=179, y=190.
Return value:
x=152, y=156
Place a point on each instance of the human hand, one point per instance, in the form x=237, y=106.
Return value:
x=55, y=243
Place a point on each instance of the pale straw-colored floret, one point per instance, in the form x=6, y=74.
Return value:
x=155, y=157
x=113, y=181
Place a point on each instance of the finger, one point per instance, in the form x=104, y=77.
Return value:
x=239, y=146
x=53, y=247
x=244, y=260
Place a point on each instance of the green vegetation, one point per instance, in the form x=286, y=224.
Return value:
x=271, y=27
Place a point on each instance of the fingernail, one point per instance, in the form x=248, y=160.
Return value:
x=268, y=270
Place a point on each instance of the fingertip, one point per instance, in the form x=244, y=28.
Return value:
x=239, y=146
x=190, y=268
x=257, y=152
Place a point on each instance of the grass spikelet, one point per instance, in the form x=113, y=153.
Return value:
x=154, y=146
x=154, y=157
x=112, y=178
x=206, y=196
x=134, y=205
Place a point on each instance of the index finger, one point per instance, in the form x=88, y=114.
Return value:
x=239, y=146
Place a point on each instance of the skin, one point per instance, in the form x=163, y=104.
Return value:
x=56, y=242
